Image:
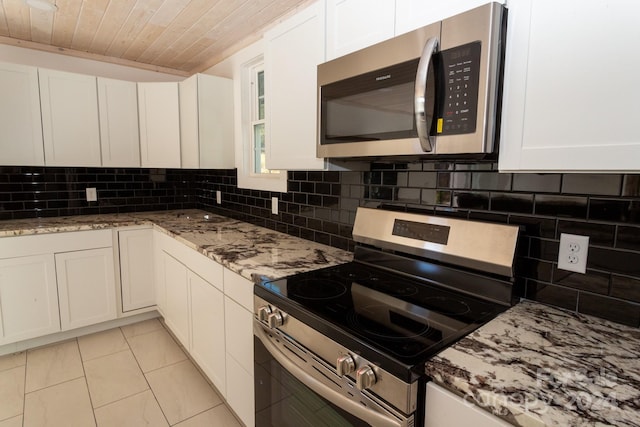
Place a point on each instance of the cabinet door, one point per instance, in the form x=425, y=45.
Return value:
x=239, y=347
x=215, y=122
x=87, y=287
x=444, y=409
x=176, y=305
x=207, y=330
x=20, y=122
x=570, y=94
x=189, y=135
x=355, y=24
x=413, y=14
x=293, y=51
x=239, y=333
x=28, y=298
x=136, y=269
x=240, y=391
x=118, y=108
x=159, y=125
x=69, y=119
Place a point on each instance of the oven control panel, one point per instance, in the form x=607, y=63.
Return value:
x=273, y=317
x=433, y=233
x=461, y=69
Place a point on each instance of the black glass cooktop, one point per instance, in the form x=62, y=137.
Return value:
x=403, y=318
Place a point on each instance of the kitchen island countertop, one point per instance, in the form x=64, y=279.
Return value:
x=536, y=365
x=253, y=252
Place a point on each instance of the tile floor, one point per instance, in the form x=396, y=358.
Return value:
x=131, y=376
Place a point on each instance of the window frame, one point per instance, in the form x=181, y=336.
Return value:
x=247, y=60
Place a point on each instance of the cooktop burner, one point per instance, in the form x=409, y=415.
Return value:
x=447, y=305
x=317, y=289
x=401, y=316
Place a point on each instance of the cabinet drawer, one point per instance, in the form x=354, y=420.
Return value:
x=239, y=289
x=11, y=247
x=204, y=267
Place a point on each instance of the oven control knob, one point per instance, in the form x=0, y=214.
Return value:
x=264, y=312
x=275, y=319
x=345, y=365
x=365, y=378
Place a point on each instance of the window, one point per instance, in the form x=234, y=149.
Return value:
x=258, y=163
x=254, y=106
x=257, y=120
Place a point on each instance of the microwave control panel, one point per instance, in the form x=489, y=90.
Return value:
x=460, y=67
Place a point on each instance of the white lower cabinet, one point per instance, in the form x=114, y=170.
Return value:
x=207, y=330
x=445, y=409
x=28, y=298
x=238, y=314
x=136, y=264
x=55, y=282
x=240, y=392
x=189, y=289
x=86, y=287
x=176, y=306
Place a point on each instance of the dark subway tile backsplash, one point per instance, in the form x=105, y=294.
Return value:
x=321, y=206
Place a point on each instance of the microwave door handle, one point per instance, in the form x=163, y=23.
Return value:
x=423, y=123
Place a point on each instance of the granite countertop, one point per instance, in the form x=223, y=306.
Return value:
x=536, y=365
x=253, y=252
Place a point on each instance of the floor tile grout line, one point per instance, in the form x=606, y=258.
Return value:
x=145, y=375
x=24, y=388
x=86, y=383
x=106, y=355
x=143, y=333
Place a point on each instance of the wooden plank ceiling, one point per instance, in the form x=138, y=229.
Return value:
x=175, y=36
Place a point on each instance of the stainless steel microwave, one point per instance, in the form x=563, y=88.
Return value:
x=432, y=91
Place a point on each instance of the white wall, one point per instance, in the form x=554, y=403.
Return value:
x=37, y=58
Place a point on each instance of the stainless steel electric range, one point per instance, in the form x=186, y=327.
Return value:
x=346, y=345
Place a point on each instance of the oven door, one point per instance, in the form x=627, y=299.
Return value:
x=295, y=388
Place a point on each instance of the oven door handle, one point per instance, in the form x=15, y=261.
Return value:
x=355, y=408
x=422, y=117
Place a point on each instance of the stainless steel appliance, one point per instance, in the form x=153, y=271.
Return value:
x=434, y=90
x=346, y=345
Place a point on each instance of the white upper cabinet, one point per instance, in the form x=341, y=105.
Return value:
x=413, y=14
x=118, y=108
x=355, y=24
x=70, y=127
x=159, y=111
x=20, y=124
x=571, y=92
x=293, y=50
x=206, y=122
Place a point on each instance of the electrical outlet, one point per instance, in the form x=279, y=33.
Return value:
x=274, y=205
x=218, y=196
x=572, y=255
x=92, y=195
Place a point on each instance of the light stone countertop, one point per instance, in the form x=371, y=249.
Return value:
x=533, y=365
x=253, y=252
x=536, y=365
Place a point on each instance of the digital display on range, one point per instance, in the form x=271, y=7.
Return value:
x=420, y=231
